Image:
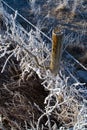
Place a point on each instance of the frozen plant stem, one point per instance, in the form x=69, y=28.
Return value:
x=74, y=6
x=65, y=2
x=32, y=2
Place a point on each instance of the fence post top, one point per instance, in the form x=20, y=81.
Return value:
x=58, y=31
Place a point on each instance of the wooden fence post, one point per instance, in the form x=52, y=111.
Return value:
x=57, y=36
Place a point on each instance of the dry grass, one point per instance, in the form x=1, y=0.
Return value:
x=22, y=100
x=23, y=93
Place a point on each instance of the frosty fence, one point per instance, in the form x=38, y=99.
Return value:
x=10, y=10
x=44, y=37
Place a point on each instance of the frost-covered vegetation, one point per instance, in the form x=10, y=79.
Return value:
x=28, y=55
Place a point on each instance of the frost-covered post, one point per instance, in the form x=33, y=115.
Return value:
x=57, y=36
